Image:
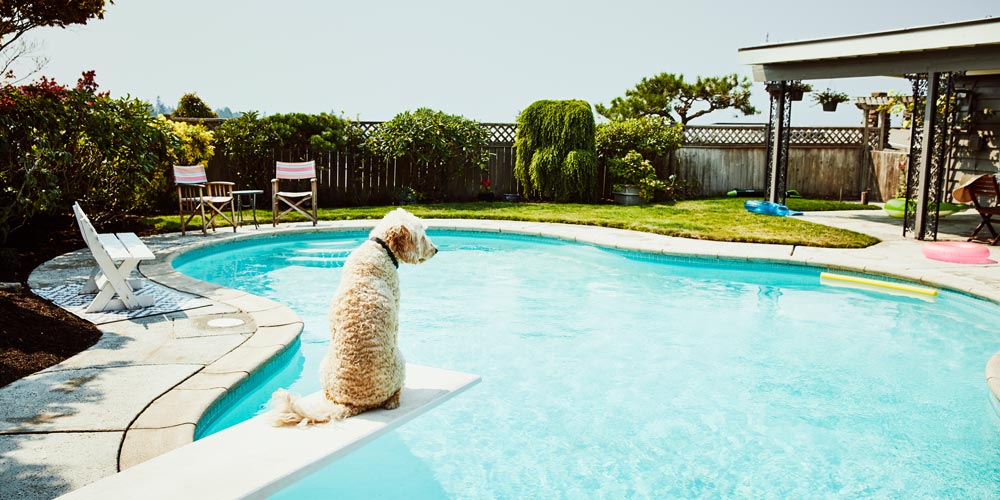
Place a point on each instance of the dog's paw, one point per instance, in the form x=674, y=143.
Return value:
x=393, y=402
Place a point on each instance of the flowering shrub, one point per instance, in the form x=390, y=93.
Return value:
x=59, y=145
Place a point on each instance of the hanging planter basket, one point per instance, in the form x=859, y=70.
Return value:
x=795, y=95
x=829, y=106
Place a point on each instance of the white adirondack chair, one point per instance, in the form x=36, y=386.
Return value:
x=117, y=255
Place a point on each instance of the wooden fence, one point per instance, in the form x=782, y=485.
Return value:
x=824, y=162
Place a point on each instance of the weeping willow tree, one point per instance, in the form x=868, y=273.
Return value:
x=555, y=151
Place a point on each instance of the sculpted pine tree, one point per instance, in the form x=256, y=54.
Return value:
x=671, y=98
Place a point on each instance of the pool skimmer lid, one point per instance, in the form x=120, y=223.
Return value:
x=225, y=322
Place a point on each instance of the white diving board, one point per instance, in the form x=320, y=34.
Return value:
x=254, y=459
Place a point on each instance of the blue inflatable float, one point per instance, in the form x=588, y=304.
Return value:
x=768, y=208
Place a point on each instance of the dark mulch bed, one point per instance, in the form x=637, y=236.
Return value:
x=34, y=333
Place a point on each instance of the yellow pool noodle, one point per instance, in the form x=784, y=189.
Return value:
x=902, y=287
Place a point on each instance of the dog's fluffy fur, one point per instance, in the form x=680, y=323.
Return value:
x=363, y=369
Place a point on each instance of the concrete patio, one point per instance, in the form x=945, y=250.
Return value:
x=141, y=390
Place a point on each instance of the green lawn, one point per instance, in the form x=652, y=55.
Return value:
x=720, y=219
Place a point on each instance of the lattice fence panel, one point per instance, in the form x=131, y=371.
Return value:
x=757, y=136
x=694, y=135
x=821, y=136
x=501, y=133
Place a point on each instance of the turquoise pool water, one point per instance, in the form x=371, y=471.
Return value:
x=611, y=374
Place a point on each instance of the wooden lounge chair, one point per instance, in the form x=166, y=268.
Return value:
x=117, y=255
x=974, y=189
x=294, y=199
x=194, y=193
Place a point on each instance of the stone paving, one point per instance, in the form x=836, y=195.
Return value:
x=140, y=391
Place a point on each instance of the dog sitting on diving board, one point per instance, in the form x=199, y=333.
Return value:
x=363, y=368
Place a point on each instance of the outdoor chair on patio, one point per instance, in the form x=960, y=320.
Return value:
x=294, y=199
x=117, y=255
x=974, y=189
x=194, y=193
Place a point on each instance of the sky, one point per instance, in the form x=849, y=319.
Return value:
x=370, y=60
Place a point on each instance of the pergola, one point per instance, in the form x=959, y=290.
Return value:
x=931, y=57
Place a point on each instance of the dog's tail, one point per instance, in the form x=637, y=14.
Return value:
x=287, y=409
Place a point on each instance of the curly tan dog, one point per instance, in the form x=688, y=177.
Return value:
x=363, y=368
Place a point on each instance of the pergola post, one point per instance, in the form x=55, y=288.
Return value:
x=778, y=138
x=924, y=165
x=928, y=158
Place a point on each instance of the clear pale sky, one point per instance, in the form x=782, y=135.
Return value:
x=484, y=60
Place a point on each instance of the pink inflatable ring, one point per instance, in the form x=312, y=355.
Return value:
x=961, y=252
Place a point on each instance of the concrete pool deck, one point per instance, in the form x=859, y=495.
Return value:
x=141, y=390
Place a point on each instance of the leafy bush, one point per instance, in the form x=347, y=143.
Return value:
x=247, y=143
x=648, y=136
x=190, y=143
x=60, y=145
x=322, y=133
x=636, y=170
x=440, y=145
x=555, y=150
x=251, y=144
x=191, y=106
x=187, y=144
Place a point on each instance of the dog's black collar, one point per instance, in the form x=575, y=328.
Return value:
x=387, y=250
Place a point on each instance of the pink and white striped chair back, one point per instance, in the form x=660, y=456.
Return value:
x=194, y=174
x=300, y=170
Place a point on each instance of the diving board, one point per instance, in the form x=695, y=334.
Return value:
x=254, y=459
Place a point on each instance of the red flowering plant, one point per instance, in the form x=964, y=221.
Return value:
x=484, y=187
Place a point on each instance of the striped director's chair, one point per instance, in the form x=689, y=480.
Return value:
x=294, y=199
x=194, y=193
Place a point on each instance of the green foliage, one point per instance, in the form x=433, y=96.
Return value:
x=19, y=16
x=648, y=135
x=187, y=144
x=443, y=146
x=190, y=143
x=250, y=143
x=676, y=189
x=320, y=133
x=247, y=143
x=60, y=145
x=556, y=151
x=670, y=97
x=635, y=170
x=191, y=106
x=830, y=96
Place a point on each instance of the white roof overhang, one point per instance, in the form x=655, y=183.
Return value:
x=971, y=46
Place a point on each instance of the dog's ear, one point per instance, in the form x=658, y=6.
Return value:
x=401, y=242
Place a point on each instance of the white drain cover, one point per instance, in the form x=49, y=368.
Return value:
x=225, y=322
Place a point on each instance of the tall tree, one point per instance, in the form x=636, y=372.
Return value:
x=17, y=17
x=668, y=96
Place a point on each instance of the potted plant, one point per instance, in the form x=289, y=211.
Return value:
x=406, y=195
x=485, y=190
x=830, y=98
x=635, y=179
x=794, y=88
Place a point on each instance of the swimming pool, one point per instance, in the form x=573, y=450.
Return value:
x=610, y=374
